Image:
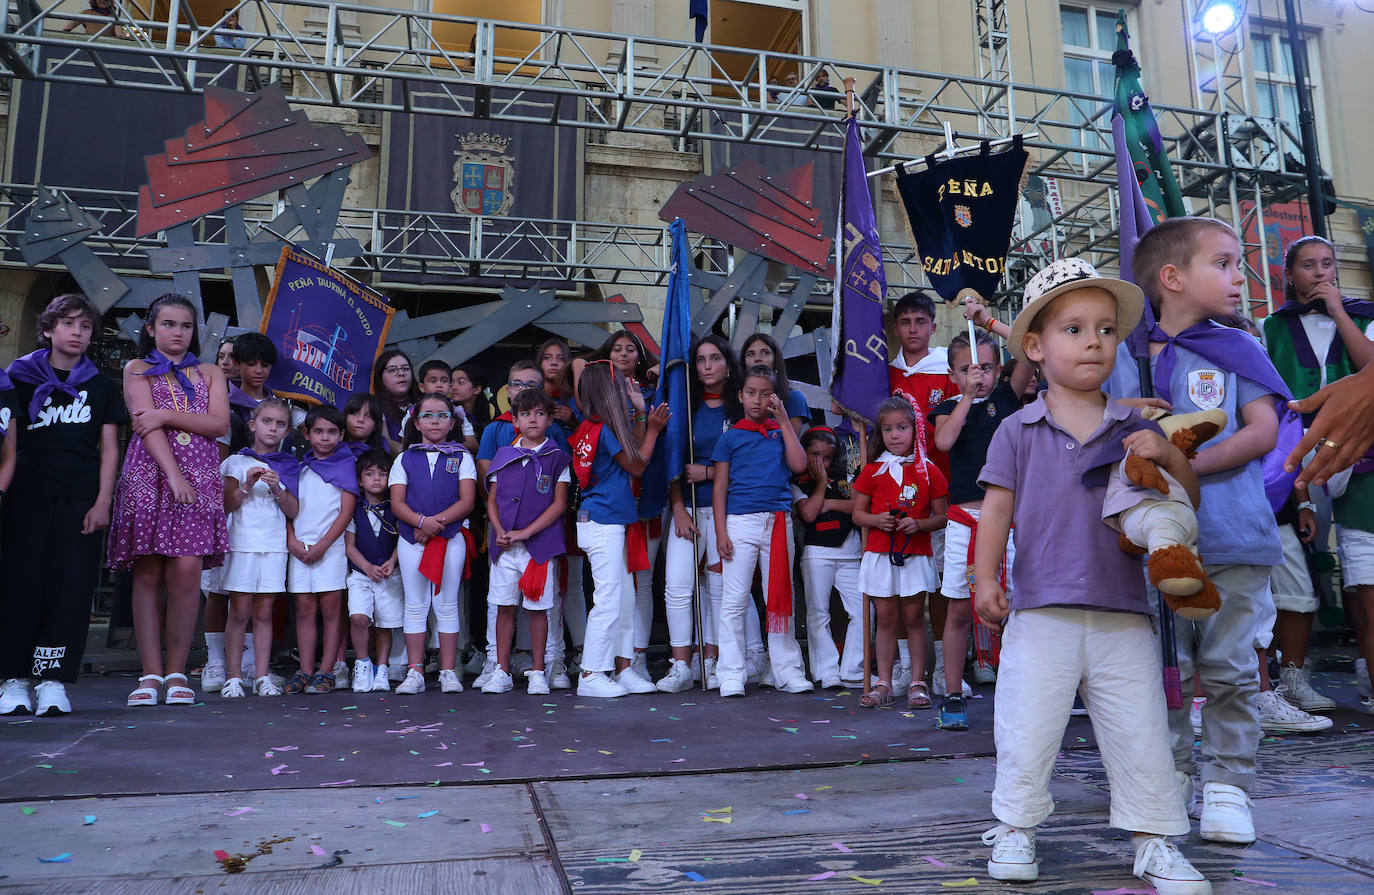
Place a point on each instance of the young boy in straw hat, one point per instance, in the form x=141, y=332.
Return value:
x=1079, y=620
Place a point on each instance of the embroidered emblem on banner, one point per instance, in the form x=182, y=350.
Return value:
x=1206, y=389
x=483, y=175
x=963, y=216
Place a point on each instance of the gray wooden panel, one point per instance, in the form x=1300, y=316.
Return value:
x=247, y=301
x=100, y=284
x=404, y=327
x=586, y=334
x=518, y=309
x=186, y=282
x=593, y=312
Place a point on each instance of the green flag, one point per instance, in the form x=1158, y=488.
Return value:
x=1143, y=141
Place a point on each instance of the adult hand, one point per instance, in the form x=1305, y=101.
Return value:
x=908, y=525
x=1342, y=431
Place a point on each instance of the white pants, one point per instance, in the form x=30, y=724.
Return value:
x=751, y=534
x=419, y=590
x=679, y=573
x=644, y=598
x=818, y=577
x=610, y=624
x=575, y=602
x=1112, y=659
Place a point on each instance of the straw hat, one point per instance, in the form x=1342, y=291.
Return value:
x=1065, y=275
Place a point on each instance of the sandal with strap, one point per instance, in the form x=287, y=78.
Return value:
x=918, y=696
x=879, y=696
x=179, y=694
x=146, y=695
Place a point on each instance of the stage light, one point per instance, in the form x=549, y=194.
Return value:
x=1219, y=17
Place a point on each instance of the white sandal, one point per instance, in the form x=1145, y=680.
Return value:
x=146, y=695
x=179, y=694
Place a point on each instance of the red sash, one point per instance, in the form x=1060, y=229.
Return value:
x=636, y=547
x=471, y=543
x=584, y=442
x=534, y=579
x=986, y=643
x=432, y=560
x=779, y=589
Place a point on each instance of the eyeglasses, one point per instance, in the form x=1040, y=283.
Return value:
x=516, y=383
x=434, y=415
x=392, y=371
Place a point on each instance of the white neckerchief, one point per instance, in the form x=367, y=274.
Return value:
x=891, y=464
x=935, y=361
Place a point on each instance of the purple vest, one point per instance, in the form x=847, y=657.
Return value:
x=524, y=492
x=376, y=548
x=430, y=495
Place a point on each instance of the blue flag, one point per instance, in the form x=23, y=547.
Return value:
x=1136, y=221
x=858, y=340
x=699, y=12
x=670, y=453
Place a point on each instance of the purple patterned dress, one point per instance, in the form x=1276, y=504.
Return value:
x=147, y=521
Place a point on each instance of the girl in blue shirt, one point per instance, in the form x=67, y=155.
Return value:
x=757, y=459
x=606, y=459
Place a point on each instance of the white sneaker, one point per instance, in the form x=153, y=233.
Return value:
x=731, y=688
x=797, y=685
x=1297, y=689
x=1013, y=854
x=831, y=682
x=14, y=698
x=1226, y=815
x=678, y=678
x=599, y=684
x=381, y=680
x=1185, y=790
x=487, y=669
x=575, y=663
x=766, y=672
x=901, y=678
x=1195, y=714
x=640, y=663
x=232, y=689
x=341, y=678
x=984, y=673
x=414, y=683
x=1161, y=865
x=52, y=699
x=450, y=682
x=536, y=682
x=499, y=681
x=362, y=676
x=695, y=665
x=213, y=678
x=755, y=664
x=1362, y=679
x=521, y=663
x=265, y=686
x=1278, y=715
x=712, y=682
x=634, y=683
x=937, y=684
x=558, y=676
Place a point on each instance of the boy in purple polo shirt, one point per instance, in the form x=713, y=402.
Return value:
x=1079, y=619
x=527, y=493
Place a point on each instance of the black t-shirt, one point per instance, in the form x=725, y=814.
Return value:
x=970, y=451
x=60, y=451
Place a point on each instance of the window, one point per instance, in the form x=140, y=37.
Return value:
x=778, y=26
x=1088, y=34
x=1276, y=91
x=510, y=43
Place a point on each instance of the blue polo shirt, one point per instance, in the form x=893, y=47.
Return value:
x=707, y=426
x=497, y=434
x=609, y=495
x=796, y=405
x=759, y=477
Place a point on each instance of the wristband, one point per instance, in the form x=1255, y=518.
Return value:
x=1306, y=505
x=421, y=523
x=989, y=323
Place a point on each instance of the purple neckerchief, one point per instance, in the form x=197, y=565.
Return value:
x=239, y=398
x=359, y=447
x=1292, y=312
x=514, y=453
x=1230, y=349
x=443, y=447
x=1113, y=452
x=283, y=463
x=35, y=369
x=338, y=469
x=160, y=364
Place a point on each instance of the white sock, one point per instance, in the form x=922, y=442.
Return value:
x=903, y=653
x=214, y=647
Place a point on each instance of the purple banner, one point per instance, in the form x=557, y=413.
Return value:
x=859, y=383
x=328, y=330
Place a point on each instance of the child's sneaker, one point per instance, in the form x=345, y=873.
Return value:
x=1278, y=715
x=937, y=683
x=599, y=684
x=487, y=669
x=52, y=699
x=678, y=678
x=341, y=679
x=633, y=682
x=536, y=682
x=901, y=678
x=322, y=682
x=1013, y=853
x=1226, y=815
x=499, y=681
x=232, y=689
x=984, y=673
x=414, y=683
x=450, y=682
x=212, y=678
x=362, y=676
x=299, y=681
x=265, y=686
x=954, y=716
x=1161, y=865
x=381, y=681
x=14, y=697
x=1297, y=689
x=558, y=676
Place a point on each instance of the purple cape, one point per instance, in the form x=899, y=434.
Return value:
x=35, y=369
x=286, y=466
x=160, y=364
x=338, y=469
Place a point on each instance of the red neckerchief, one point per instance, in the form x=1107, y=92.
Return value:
x=763, y=428
x=506, y=417
x=710, y=396
x=584, y=442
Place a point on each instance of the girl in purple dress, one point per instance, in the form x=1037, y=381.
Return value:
x=169, y=520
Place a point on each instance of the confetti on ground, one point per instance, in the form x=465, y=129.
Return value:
x=1257, y=882
x=635, y=855
x=237, y=811
x=865, y=879
x=28, y=811
x=840, y=846
x=961, y=884
x=935, y=862
x=958, y=779
x=395, y=823
x=316, y=850
x=474, y=764
x=716, y=820
x=820, y=876
x=221, y=855
x=444, y=764
x=726, y=810
x=694, y=876
x=612, y=860
x=90, y=819
x=340, y=782
x=803, y=796
x=426, y=814
x=798, y=811
x=59, y=859
x=486, y=828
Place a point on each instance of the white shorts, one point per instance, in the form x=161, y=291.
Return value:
x=381, y=601
x=505, y=580
x=254, y=573
x=210, y=580
x=954, y=583
x=329, y=574
x=878, y=577
x=1289, y=581
x=1356, y=549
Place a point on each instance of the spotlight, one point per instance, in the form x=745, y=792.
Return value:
x=1218, y=18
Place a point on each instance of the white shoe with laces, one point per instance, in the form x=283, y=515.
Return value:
x=1226, y=815
x=15, y=698
x=754, y=666
x=212, y=678
x=341, y=678
x=1161, y=865
x=362, y=676
x=232, y=689
x=600, y=685
x=633, y=682
x=450, y=682
x=381, y=680
x=678, y=678
x=1013, y=854
x=414, y=683
x=499, y=681
x=485, y=676
x=1278, y=715
x=536, y=682
x=52, y=699
x=1297, y=689
x=558, y=676
x=1185, y=790
x=640, y=663
x=937, y=684
x=901, y=678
